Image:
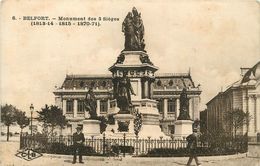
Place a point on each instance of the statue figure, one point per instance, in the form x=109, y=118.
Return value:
x=123, y=91
x=91, y=103
x=120, y=59
x=145, y=59
x=184, y=106
x=133, y=29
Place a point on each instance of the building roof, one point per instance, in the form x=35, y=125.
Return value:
x=103, y=81
x=253, y=74
x=251, y=78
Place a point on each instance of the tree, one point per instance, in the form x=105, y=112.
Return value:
x=22, y=120
x=8, y=116
x=236, y=119
x=51, y=117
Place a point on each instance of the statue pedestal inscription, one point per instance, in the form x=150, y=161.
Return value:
x=124, y=123
x=91, y=127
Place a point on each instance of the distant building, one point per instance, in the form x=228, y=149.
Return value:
x=166, y=90
x=244, y=94
x=203, y=121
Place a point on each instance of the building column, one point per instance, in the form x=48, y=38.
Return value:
x=257, y=118
x=257, y=113
x=146, y=89
x=58, y=102
x=75, y=108
x=196, y=103
x=64, y=106
x=108, y=104
x=98, y=107
x=165, y=108
x=191, y=113
x=244, y=107
x=177, y=108
x=251, y=112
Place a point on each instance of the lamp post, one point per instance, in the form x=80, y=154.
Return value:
x=31, y=108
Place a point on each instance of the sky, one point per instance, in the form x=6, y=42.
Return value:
x=212, y=38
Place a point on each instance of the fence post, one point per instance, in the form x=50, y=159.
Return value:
x=92, y=141
x=124, y=146
x=149, y=143
x=104, y=143
x=161, y=142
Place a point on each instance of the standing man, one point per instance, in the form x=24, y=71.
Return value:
x=78, y=141
x=192, y=146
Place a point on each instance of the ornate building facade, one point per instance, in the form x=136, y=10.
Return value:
x=243, y=94
x=166, y=91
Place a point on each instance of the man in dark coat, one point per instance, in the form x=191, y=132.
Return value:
x=192, y=146
x=78, y=141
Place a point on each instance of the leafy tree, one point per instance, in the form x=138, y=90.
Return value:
x=22, y=120
x=236, y=119
x=8, y=116
x=51, y=117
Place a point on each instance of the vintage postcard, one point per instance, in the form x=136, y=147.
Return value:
x=107, y=82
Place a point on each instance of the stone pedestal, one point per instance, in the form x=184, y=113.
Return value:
x=183, y=128
x=125, y=118
x=91, y=127
x=150, y=119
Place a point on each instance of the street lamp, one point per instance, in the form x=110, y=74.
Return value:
x=31, y=108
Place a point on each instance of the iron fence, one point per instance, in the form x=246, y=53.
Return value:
x=133, y=146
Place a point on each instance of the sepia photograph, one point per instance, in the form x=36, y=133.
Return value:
x=121, y=83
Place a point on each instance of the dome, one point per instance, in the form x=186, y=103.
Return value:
x=252, y=74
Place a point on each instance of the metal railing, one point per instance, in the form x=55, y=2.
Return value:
x=133, y=146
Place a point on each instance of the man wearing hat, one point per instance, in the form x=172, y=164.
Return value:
x=78, y=141
x=192, y=146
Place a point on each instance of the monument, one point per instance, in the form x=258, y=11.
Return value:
x=183, y=124
x=133, y=75
x=91, y=126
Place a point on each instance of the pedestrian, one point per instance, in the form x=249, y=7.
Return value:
x=78, y=141
x=192, y=147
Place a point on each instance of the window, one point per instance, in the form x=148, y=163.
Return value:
x=69, y=106
x=103, y=106
x=80, y=106
x=171, y=106
x=160, y=106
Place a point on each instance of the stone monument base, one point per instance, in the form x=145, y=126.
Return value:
x=91, y=127
x=150, y=126
x=125, y=118
x=150, y=120
x=183, y=128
